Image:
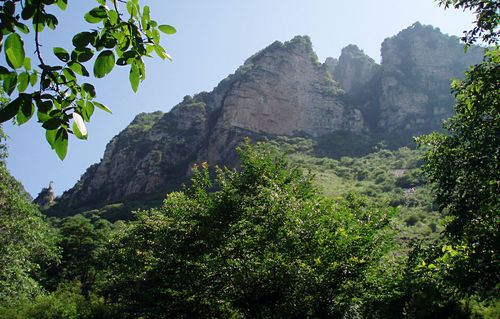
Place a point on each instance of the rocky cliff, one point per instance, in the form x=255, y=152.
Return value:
x=283, y=90
x=418, y=64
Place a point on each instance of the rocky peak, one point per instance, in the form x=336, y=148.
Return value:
x=417, y=65
x=354, y=69
x=331, y=64
x=282, y=90
x=46, y=197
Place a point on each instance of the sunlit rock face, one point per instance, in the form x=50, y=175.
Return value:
x=283, y=90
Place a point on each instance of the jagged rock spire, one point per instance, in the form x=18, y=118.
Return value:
x=46, y=197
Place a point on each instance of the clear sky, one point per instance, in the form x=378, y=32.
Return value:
x=214, y=37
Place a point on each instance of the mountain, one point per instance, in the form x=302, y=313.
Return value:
x=346, y=105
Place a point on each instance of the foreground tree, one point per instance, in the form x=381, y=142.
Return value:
x=461, y=275
x=465, y=167
x=56, y=93
x=263, y=245
x=27, y=242
x=81, y=241
x=487, y=19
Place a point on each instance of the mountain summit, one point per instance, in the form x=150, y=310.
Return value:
x=284, y=90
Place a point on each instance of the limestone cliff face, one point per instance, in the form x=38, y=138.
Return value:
x=281, y=90
x=354, y=69
x=417, y=67
x=285, y=91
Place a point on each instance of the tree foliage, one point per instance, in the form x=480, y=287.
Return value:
x=82, y=241
x=465, y=167
x=262, y=245
x=27, y=242
x=58, y=93
x=487, y=19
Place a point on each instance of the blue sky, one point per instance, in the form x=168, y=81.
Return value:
x=213, y=39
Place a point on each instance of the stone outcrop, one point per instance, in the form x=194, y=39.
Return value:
x=281, y=90
x=354, y=69
x=417, y=67
x=46, y=197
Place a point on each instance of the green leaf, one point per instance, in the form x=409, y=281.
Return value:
x=8, y=7
x=61, y=143
x=51, y=21
x=44, y=106
x=99, y=12
x=58, y=140
x=27, y=64
x=113, y=17
x=69, y=74
x=87, y=110
x=50, y=136
x=104, y=63
x=61, y=54
x=102, y=107
x=52, y=124
x=161, y=52
x=33, y=78
x=42, y=117
x=39, y=22
x=79, y=128
x=89, y=89
x=28, y=11
x=14, y=51
x=127, y=57
x=82, y=39
x=156, y=36
x=22, y=27
x=82, y=55
x=146, y=11
x=96, y=15
x=132, y=9
x=149, y=49
x=78, y=68
x=168, y=29
x=108, y=41
x=9, y=82
x=26, y=110
x=62, y=4
x=23, y=81
x=91, y=19
x=134, y=77
x=10, y=110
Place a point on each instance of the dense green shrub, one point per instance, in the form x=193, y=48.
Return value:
x=263, y=245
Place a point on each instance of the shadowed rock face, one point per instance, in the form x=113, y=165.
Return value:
x=281, y=90
x=354, y=69
x=417, y=67
x=46, y=197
